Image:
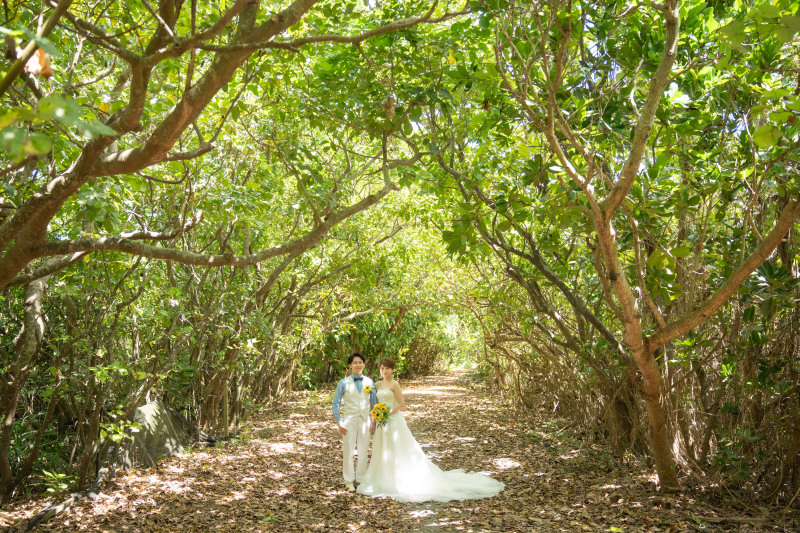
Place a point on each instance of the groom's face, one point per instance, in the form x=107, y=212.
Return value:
x=357, y=366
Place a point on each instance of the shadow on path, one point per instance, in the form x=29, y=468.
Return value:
x=283, y=473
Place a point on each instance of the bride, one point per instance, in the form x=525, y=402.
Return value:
x=399, y=468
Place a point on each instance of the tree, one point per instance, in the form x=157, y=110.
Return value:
x=151, y=91
x=612, y=107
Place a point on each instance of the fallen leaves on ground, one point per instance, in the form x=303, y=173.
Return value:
x=283, y=473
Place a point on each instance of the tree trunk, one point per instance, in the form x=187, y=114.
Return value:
x=91, y=445
x=660, y=434
x=26, y=350
x=226, y=424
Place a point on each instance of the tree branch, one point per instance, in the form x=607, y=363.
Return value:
x=648, y=113
x=128, y=245
x=193, y=101
x=675, y=329
x=48, y=268
x=204, y=148
x=355, y=39
x=98, y=36
x=28, y=51
x=182, y=44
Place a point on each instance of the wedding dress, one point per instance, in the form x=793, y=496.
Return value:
x=399, y=468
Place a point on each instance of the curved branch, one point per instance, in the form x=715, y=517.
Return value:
x=55, y=264
x=48, y=268
x=180, y=45
x=355, y=39
x=128, y=245
x=675, y=329
x=27, y=53
x=204, y=148
x=100, y=37
x=194, y=100
x=648, y=113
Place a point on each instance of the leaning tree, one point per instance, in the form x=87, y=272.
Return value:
x=639, y=161
x=118, y=115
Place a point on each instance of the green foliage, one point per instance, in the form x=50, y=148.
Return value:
x=19, y=142
x=51, y=466
x=117, y=432
x=443, y=272
x=56, y=483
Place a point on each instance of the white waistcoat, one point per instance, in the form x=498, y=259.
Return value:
x=355, y=404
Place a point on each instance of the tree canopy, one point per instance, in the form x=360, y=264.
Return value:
x=213, y=203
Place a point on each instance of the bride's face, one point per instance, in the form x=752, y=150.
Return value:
x=386, y=372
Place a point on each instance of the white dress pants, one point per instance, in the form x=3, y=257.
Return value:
x=357, y=436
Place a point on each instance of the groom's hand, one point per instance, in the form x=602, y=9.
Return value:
x=342, y=429
x=372, y=428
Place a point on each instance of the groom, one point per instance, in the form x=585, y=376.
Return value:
x=354, y=398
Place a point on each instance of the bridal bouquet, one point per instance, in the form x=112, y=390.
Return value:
x=380, y=413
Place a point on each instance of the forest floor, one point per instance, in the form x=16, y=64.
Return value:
x=283, y=473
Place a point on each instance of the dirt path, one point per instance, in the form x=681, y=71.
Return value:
x=283, y=473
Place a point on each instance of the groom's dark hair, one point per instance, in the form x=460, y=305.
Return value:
x=353, y=356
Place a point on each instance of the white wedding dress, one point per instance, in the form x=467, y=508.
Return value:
x=399, y=468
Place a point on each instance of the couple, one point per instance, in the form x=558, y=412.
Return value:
x=399, y=468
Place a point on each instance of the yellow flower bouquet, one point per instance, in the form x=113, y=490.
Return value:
x=380, y=413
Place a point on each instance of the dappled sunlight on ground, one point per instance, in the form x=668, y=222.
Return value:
x=283, y=473
x=504, y=463
x=439, y=392
x=282, y=447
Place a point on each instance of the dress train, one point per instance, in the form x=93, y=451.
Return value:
x=400, y=469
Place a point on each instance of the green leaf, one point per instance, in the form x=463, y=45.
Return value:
x=659, y=260
x=38, y=144
x=792, y=22
x=784, y=34
x=97, y=128
x=769, y=11
x=64, y=110
x=680, y=251
x=12, y=140
x=766, y=136
x=780, y=117
x=8, y=117
x=735, y=33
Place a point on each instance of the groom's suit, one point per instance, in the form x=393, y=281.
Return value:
x=351, y=407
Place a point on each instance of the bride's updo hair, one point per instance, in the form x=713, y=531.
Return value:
x=388, y=362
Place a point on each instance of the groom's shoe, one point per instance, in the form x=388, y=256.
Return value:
x=349, y=486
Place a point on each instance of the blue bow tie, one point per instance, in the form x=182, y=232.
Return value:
x=357, y=379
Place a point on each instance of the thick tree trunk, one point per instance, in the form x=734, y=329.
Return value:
x=657, y=416
x=26, y=350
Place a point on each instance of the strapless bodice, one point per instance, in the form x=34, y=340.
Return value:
x=386, y=397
